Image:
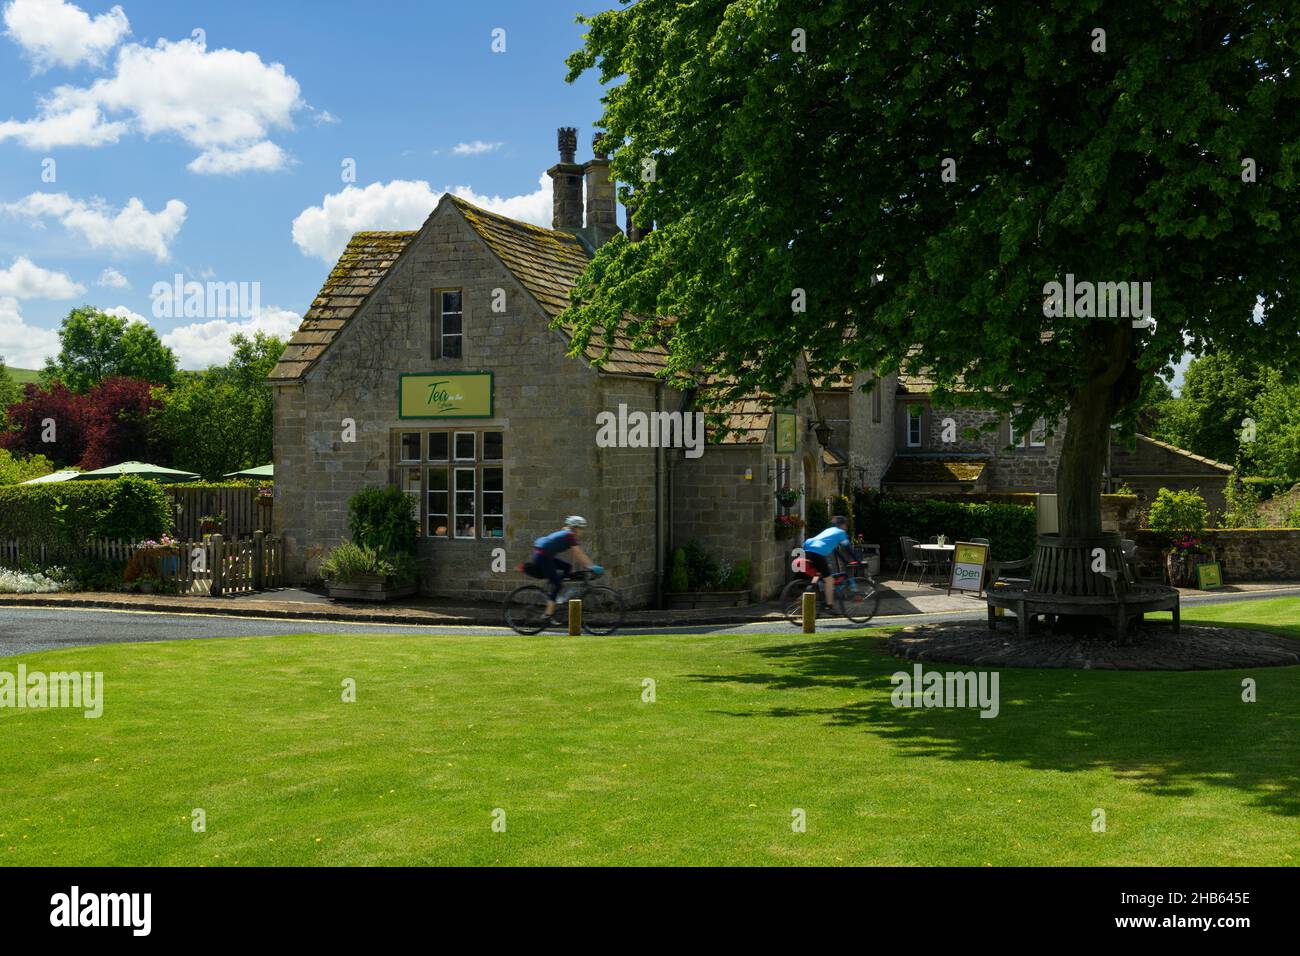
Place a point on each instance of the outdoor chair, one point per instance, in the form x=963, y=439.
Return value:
x=911, y=558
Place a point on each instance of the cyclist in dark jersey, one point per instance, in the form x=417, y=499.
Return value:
x=545, y=556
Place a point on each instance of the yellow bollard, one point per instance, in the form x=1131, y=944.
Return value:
x=809, y=612
x=575, y=617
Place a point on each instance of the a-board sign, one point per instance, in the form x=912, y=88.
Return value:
x=969, y=561
x=1209, y=576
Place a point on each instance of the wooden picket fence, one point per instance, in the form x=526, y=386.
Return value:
x=212, y=566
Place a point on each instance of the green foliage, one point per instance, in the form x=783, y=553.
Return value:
x=1267, y=488
x=96, y=346
x=18, y=468
x=843, y=505
x=738, y=580
x=1012, y=530
x=10, y=392
x=1242, y=504
x=1067, y=161
x=1218, y=394
x=135, y=509
x=350, y=561
x=64, y=515
x=1276, y=412
x=383, y=519
x=679, y=578
x=1175, y=513
x=818, y=517
x=219, y=421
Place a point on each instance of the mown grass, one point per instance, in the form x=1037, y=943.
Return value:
x=554, y=731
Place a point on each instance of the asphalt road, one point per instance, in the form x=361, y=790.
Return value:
x=23, y=630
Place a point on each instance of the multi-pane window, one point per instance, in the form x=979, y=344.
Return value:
x=914, y=423
x=1037, y=437
x=463, y=481
x=875, y=402
x=448, y=324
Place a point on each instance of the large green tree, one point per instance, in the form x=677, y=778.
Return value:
x=920, y=170
x=95, y=345
x=1217, y=400
x=219, y=420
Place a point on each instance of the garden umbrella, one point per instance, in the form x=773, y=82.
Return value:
x=52, y=476
x=141, y=470
x=261, y=471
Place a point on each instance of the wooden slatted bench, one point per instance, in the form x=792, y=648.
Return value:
x=1135, y=602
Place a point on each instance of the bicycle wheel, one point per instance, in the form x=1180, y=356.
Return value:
x=859, y=601
x=792, y=601
x=602, y=611
x=526, y=610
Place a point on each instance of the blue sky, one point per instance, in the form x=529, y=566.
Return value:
x=220, y=156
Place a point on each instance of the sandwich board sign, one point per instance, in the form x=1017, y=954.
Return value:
x=969, y=562
x=1209, y=576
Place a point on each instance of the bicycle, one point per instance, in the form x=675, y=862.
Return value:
x=857, y=594
x=603, y=608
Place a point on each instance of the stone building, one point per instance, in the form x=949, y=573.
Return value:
x=428, y=362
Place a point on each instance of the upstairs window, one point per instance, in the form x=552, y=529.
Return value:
x=448, y=324
x=1037, y=437
x=915, y=417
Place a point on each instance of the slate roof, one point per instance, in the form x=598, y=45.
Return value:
x=920, y=470
x=547, y=263
x=1185, y=453
x=364, y=262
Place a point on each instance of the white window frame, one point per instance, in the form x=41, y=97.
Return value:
x=456, y=492
x=443, y=334
x=915, y=414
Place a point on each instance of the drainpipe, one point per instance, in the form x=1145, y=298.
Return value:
x=659, y=506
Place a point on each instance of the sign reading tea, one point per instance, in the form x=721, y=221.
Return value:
x=445, y=395
x=968, y=563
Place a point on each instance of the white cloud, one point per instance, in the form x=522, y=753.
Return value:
x=23, y=345
x=123, y=312
x=261, y=157
x=26, y=280
x=224, y=103
x=55, y=33
x=112, y=279
x=201, y=344
x=475, y=148
x=323, y=231
x=133, y=228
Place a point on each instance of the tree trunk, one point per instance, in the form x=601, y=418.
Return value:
x=1114, y=384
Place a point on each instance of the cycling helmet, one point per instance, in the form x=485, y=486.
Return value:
x=575, y=521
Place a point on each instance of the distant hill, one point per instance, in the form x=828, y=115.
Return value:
x=23, y=375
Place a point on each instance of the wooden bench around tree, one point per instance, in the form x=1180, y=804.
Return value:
x=1062, y=581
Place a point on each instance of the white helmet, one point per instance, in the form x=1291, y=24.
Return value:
x=575, y=521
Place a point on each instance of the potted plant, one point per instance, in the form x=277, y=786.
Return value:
x=1180, y=516
x=787, y=497
x=211, y=524
x=700, y=580
x=787, y=526
x=379, y=563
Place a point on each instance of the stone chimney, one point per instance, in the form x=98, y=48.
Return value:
x=636, y=233
x=602, y=208
x=566, y=188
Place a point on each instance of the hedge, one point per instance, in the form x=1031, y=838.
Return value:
x=68, y=513
x=1271, y=487
x=1012, y=530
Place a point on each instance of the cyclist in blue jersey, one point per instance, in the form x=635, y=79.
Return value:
x=545, y=556
x=819, y=548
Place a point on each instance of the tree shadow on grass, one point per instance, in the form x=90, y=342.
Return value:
x=1170, y=731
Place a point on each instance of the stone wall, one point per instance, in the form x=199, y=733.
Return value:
x=1246, y=554
x=871, y=446
x=545, y=403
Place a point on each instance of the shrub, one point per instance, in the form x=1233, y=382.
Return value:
x=1242, y=509
x=61, y=515
x=738, y=580
x=1178, y=514
x=1012, y=530
x=1269, y=487
x=135, y=509
x=18, y=468
x=383, y=519
x=29, y=582
x=350, y=561
x=679, y=578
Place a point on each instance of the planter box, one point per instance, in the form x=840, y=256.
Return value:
x=688, y=600
x=371, y=587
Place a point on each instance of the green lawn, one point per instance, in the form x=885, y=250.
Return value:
x=23, y=375
x=554, y=731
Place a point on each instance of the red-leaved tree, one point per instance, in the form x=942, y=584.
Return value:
x=48, y=421
x=118, y=423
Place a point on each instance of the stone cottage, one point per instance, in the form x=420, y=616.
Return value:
x=428, y=362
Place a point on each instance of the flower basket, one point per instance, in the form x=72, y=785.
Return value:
x=786, y=526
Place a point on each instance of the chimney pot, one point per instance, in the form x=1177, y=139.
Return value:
x=597, y=148
x=567, y=138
